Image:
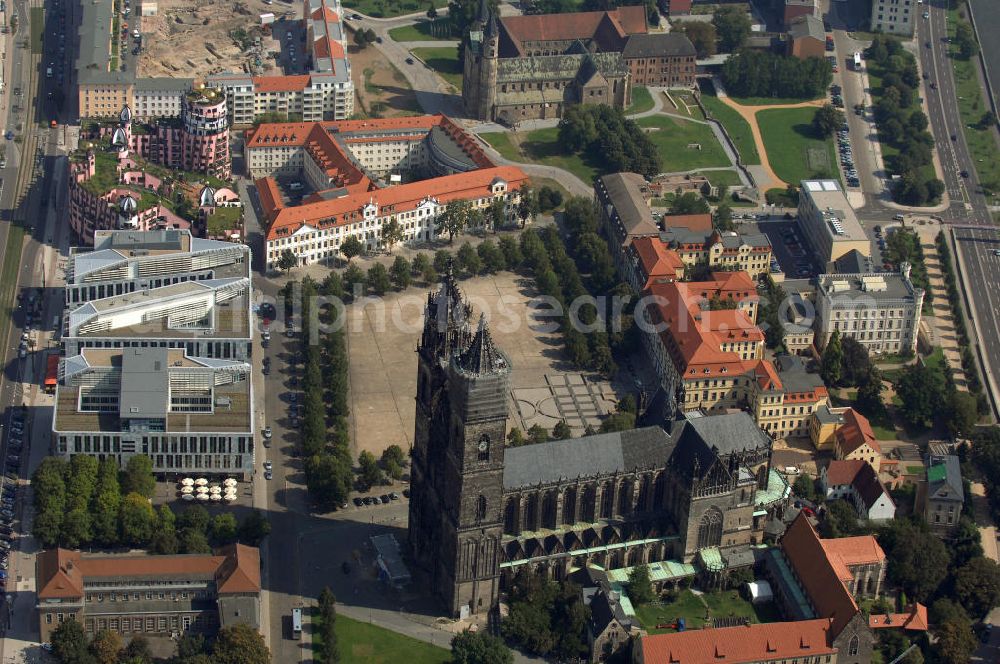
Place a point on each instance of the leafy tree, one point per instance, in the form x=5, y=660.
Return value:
x=371, y=474
x=869, y=400
x=453, y=220
x=752, y=73
x=106, y=646
x=918, y=561
x=966, y=543
x=479, y=648
x=395, y=454
x=468, y=260
x=922, y=391
x=138, y=476
x=361, y=38
x=224, y=528
x=351, y=247
x=537, y=434
x=254, y=528
x=47, y=527
x=515, y=438
x=840, y=520
x=392, y=233
x=491, y=257
x=548, y=198
x=962, y=412
x=400, y=272
x=164, y=542
x=442, y=260
x=287, y=260
x=561, y=431
x=804, y=487
x=701, y=34
x=106, y=503
x=137, y=651
x=137, y=520
x=194, y=517
x=81, y=480
x=328, y=479
x=49, y=485
x=69, y=643
x=432, y=11
x=330, y=653
x=618, y=422
x=856, y=365
x=240, y=644
x=547, y=618
x=977, y=586
x=732, y=24
x=419, y=264
x=355, y=280
x=194, y=541
x=77, y=529
x=496, y=215
x=965, y=39
x=833, y=360
x=639, y=586
x=511, y=253
x=723, y=218
x=955, y=642
x=827, y=120
x=378, y=279
x=689, y=203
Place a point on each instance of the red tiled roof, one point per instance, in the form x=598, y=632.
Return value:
x=280, y=83
x=843, y=472
x=740, y=645
x=61, y=572
x=403, y=198
x=851, y=551
x=694, y=222
x=657, y=261
x=855, y=432
x=573, y=25
x=821, y=579
x=915, y=620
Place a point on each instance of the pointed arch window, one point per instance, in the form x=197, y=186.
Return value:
x=481, y=509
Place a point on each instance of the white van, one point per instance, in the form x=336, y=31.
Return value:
x=295, y=186
x=48, y=72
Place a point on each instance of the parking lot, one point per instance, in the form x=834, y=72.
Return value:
x=289, y=41
x=844, y=141
x=790, y=253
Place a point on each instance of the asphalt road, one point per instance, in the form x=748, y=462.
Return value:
x=986, y=14
x=982, y=281
x=967, y=204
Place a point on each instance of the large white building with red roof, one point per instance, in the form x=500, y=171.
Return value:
x=324, y=92
x=360, y=174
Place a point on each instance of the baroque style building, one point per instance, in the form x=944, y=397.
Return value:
x=481, y=512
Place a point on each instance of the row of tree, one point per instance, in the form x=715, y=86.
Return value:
x=972, y=380
x=901, y=124
x=325, y=438
x=325, y=623
x=608, y=138
x=752, y=73
x=728, y=31
x=235, y=644
x=84, y=502
x=547, y=618
x=903, y=245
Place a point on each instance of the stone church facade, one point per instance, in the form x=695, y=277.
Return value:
x=532, y=67
x=480, y=512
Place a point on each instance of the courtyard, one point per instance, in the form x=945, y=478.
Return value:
x=382, y=337
x=698, y=608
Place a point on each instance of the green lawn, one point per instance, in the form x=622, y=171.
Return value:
x=443, y=60
x=672, y=138
x=362, y=642
x=438, y=29
x=390, y=8
x=722, y=604
x=794, y=151
x=737, y=128
x=500, y=141
x=642, y=101
x=542, y=146
x=971, y=107
x=37, y=29
x=722, y=178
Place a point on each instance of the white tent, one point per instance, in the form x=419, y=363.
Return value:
x=188, y=496
x=187, y=489
x=187, y=481
x=760, y=591
x=229, y=481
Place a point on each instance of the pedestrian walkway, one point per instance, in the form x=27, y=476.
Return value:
x=942, y=330
x=764, y=174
